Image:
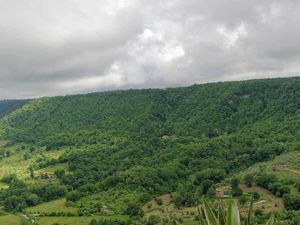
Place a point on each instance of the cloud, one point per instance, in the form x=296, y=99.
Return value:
x=69, y=46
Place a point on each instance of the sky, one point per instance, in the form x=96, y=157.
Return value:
x=61, y=47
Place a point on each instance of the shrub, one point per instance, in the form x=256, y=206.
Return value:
x=248, y=180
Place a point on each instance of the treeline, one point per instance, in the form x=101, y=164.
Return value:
x=20, y=195
x=208, y=110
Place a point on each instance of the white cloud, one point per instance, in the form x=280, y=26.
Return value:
x=231, y=37
x=72, y=46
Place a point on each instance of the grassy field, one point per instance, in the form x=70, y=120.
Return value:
x=286, y=166
x=53, y=206
x=10, y=220
x=52, y=169
x=3, y=186
x=16, y=164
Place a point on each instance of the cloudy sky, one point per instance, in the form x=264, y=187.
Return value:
x=62, y=47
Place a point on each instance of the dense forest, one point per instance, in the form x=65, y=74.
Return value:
x=7, y=106
x=178, y=140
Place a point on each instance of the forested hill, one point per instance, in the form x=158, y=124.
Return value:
x=207, y=110
x=7, y=106
x=150, y=142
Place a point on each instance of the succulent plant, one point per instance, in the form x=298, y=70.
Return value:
x=231, y=216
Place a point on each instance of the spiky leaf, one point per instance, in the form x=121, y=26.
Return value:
x=248, y=219
x=271, y=220
x=211, y=218
x=233, y=215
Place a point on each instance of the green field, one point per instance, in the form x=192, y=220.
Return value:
x=286, y=166
x=10, y=220
x=53, y=206
x=16, y=164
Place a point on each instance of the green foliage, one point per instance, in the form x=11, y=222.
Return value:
x=7, y=106
x=249, y=180
x=256, y=196
x=180, y=140
x=271, y=182
x=291, y=201
x=19, y=195
x=152, y=220
x=134, y=209
x=231, y=216
x=235, y=182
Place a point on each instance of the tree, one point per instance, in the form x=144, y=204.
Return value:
x=235, y=182
x=256, y=196
x=59, y=173
x=159, y=201
x=206, y=184
x=152, y=220
x=248, y=180
x=236, y=192
x=73, y=196
x=243, y=199
x=31, y=171
x=93, y=222
x=298, y=185
x=134, y=209
x=32, y=200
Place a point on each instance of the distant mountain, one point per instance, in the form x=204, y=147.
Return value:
x=7, y=106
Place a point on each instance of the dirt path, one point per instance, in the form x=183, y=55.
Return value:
x=287, y=169
x=269, y=202
x=27, y=218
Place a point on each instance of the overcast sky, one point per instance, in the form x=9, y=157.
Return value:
x=62, y=47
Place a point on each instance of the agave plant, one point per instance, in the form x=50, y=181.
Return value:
x=231, y=216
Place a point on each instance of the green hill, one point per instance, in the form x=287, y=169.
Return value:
x=151, y=142
x=7, y=106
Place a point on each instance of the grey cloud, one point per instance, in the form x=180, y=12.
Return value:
x=69, y=46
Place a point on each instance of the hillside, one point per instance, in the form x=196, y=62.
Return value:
x=200, y=110
x=7, y=106
x=122, y=148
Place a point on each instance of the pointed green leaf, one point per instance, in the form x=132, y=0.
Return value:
x=233, y=215
x=221, y=215
x=202, y=222
x=271, y=220
x=229, y=213
x=211, y=218
x=248, y=219
x=236, y=214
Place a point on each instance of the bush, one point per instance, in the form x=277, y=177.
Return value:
x=235, y=182
x=159, y=201
x=256, y=196
x=236, y=192
x=153, y=220
x=134, y=209
x=291, y=202
x=248, y=180
x=243, y=199
x=73, y=196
